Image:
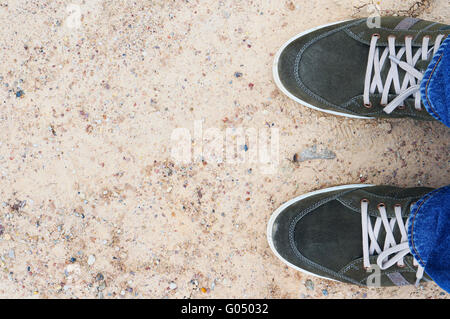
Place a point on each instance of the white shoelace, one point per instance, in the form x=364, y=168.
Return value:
x=390, y=246
x=411, y=81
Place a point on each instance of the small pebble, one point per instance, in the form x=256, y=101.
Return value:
x=194, y=282
x=91, y=260
x=20, y=93
x=102, y=286
x=309, y=284
x=172, y=286
x=99, y=277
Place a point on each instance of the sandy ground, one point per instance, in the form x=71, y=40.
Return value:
x=93, y=204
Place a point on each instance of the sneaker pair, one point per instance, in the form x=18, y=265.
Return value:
x=355, y=233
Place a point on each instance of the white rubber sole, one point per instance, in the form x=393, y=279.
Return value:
x=289, y=203
x=293, y=97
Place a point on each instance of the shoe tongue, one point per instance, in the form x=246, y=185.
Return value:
x=422, y=65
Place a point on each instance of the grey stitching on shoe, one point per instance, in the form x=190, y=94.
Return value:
x=363, y=282
x=425, y=30
x=344, y=107
x=407, y=111
x=373, y=213
x=353, y=264
x=341, y=274
x=405, y=211
x=304, y=212
x=358, y=38
x=297, y=61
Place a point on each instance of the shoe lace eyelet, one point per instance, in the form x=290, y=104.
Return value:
x=376, y=35
x=401, y=107
x=365, y=200
x=369, y=106
x=380, y=205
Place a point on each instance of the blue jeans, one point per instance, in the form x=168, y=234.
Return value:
x=429, y=223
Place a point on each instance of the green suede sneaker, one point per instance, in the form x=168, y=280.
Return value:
x=352, y=233
x=351, y=69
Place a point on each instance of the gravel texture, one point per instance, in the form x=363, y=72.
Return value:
x=92, y=203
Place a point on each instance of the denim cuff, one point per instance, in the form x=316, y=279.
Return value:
x=429, y=235
x=435, y=86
